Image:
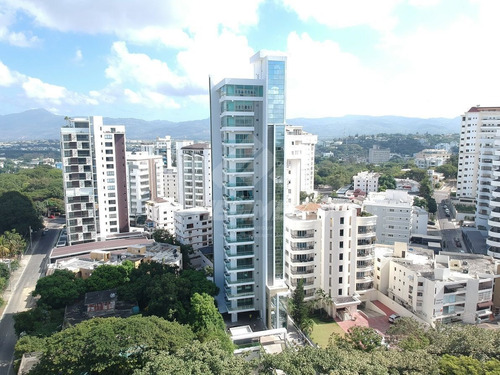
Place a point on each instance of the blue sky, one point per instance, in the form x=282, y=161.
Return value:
x=151, y=59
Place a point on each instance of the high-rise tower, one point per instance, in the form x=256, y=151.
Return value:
x=95, y=179
x=248, y=159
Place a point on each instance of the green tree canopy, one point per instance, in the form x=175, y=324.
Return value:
x=106, y=277
x=108, y=345
x=208, y=358
x=18, y=213
x=59, y=289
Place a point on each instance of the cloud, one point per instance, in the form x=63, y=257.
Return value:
x=325, y=81
x=379, y=14
x=171, y=23
x=18, y=39
x=78, y=58
x=7, y=78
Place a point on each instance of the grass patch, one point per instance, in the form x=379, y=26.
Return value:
x=322, y=331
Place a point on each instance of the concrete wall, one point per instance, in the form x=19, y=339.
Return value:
x=397, y=308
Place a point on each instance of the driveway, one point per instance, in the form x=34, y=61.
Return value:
x=369, y=318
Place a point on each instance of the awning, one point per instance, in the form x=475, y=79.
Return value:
x=483, y=305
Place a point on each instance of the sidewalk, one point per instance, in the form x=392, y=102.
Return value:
x=13, y=281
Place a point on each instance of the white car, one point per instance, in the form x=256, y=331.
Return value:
x=393, y=318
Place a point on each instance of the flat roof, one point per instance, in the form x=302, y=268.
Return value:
x=86, y=248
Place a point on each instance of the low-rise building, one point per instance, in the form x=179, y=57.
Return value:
x=366, y=181
x=444, y=288
x=160, y=214
x=193, y=226
x=397, y=218
x=377, y=155
x=430, y=158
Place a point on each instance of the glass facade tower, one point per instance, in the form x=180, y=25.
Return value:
x=248, y=140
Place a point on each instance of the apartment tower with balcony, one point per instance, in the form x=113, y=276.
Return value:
x=248, y=165
x=478, y=175
x=95, y=179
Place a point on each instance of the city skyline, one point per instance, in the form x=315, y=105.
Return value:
x=396, y=57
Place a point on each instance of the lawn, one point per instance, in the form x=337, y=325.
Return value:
x=323, y=330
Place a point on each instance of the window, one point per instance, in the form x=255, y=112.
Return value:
x=341, y=220
x=341, y=233
x=341, y=256
x=340, y=280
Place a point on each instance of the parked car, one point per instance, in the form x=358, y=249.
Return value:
x=393, y=318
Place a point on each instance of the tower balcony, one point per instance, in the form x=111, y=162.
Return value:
x=247, y=156
x=232, y=252
x=234, y=293
x=230, y=267
x=230, y=281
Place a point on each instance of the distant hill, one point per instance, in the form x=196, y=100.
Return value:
x=42, y=124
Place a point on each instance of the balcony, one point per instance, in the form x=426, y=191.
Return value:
x=238, y=281
x=240, y=226
x=238, y=294
x=245, y=184
x=238, y=254
x=241, y=267
x=248, y=155
x=241, y=308
x=239, y=239
x=302, y=233
x=297, y=247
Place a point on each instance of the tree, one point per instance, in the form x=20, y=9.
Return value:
x=11, y=244
x=364, y=338
x=110, y=345
x=386, y=182
x=463, y=365
x=106, y=277
x=59, y=289
x=297, y=305
x=431, y=205
x=207, y=358
x=18, y=213
x=207, y=322
x=39, y=321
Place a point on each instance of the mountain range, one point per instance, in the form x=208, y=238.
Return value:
x=42, y=124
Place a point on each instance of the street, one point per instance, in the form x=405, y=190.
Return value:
x=449, y=231
x=18, y=293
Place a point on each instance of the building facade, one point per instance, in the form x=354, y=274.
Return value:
x=377, y=155
x=160, y=214
x=248, y=140
x=445, y=288
x=431, y=158
x=330, y=246
x=397, y=219
x=193, y=226
x=299, y=154
x=477, y=177
x=194, y=171
x=95, y=179
x=366, y=181
x=145, y=181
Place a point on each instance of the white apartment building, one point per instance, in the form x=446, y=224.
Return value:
x=171, y=183
x=145, y=181
x=95, y=179
x=248, y=140
x=331, y=246
x=299, y=154
x=377, y=155
x=194, y=173
x=477, y=177
x=160, y=214
x=193, y=226
x=397, y=219
x=430, y=158
x=445, y=288
x=366, y=181
x=163, y=147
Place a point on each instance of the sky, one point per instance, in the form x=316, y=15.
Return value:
x=151, y=59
